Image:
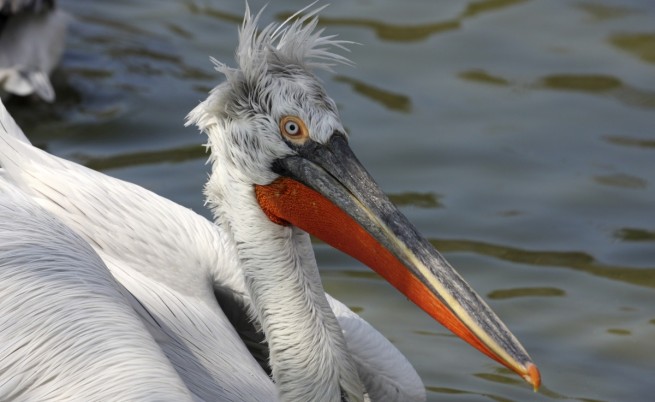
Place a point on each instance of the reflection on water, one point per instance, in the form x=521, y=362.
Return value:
x=179, y=31
x=482, y=77
x=90, y=73
x=596, y=84
x=433, y=333
x=180, y=154
x=604, y=11
x=525, y=292
x=506, y=377
x=421, y=200
x=631, y=141
x=385, y=31
x=503, y=376
x=619, y=331
x=641, y=45
x=391, y=32
x=452, y=391
x=581, y=83
x=484, y=6
x=112, y=23
x=632, y=234
x=575, y=260
x=621, y=180
x=390, y=100
x=210, y=11
x=418, y=32
x=497, y=398
x=140, y=52
x=447, y=391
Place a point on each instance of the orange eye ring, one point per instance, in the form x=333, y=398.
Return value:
x=293, y=129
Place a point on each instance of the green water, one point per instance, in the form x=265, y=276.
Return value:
x=519, y=136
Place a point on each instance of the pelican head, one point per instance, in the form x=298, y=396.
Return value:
x=282, y=167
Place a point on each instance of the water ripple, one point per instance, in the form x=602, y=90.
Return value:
x=215, y=13
x=575, y=260
x=418, y=32
x=390, y=100
x=640, y=45
x=392, y=32
x=602, y=12
x=421, y=200
x=632, y=234
x=525, y=292
x=621, y=180
x=630, y=141
x=174, y=155
x=593, y=84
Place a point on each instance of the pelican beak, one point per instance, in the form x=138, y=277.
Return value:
x=324, y=190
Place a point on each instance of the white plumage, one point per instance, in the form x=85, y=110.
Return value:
x=68, y=330
x=198, y=299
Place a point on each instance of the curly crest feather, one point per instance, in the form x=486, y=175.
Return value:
x=274, y=76
x=296, y=41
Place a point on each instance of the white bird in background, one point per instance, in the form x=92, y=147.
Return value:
x=236, y=308
x=32, y=39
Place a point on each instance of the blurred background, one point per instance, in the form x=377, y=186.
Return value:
x=518, y=135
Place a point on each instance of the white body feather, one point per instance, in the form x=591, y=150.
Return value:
x=67, y=329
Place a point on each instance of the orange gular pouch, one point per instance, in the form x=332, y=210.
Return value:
x=287, y=201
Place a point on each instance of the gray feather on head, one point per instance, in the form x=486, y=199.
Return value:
x=274, y=77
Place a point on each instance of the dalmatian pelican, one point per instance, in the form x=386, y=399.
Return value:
x=230, y=310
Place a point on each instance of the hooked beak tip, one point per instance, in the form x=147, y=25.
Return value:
x=532, y=376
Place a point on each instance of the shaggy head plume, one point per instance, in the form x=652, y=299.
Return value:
x=274, y=77
x=295, y=44
x=296, y=41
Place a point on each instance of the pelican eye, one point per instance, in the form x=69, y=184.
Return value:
x=293, y=129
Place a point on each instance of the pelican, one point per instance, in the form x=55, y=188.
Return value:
x=32, y=38
x=236, y=307
x=164, y=239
